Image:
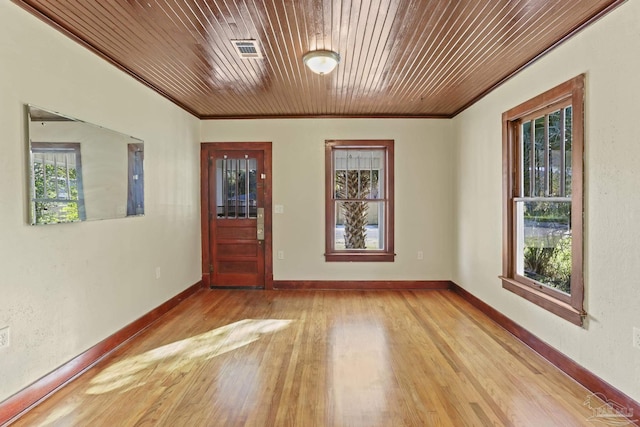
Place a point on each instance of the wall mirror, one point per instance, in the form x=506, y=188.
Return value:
x=79, y=171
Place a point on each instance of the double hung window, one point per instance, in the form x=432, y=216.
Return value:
x=543, y=202
x=359, y=200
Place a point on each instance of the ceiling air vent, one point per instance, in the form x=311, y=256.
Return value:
x=247, y=48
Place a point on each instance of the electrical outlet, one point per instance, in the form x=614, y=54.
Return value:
x=636, y=338
x=420, y=255
x=4, y=337
x=280, y=254
x=158, y=273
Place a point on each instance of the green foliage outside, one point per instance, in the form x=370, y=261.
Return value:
x=49, y=208
x=556, y=212
x=550, y=265
x=548, y=259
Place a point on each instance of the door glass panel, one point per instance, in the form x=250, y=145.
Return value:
x=242, y=183
x=236, y=188
x=231, y=188
x=220, y=164
x=253, y=187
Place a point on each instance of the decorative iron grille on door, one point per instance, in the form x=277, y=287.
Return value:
x=236, y=189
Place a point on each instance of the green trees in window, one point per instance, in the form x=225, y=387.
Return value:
x=547, y=252
x=56, y=194
x=550, y=265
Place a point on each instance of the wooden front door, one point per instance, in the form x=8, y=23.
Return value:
x=237, y=197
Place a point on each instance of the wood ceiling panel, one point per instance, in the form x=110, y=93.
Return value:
x=400, y=58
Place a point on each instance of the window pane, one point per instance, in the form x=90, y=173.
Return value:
x=56, y=211
x=544, y=243
x=55, y=186
x=50, y=171
x=568, y=135
x=340, y=184
x=377, y=187
x=539, y=141
x=359, y=225
x=38, y=177
x=357, y=174
x=526, y=159
x=555, y=153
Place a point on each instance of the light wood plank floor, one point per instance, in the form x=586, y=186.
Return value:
x=320, y=358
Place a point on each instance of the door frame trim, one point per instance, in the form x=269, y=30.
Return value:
x=205, y=148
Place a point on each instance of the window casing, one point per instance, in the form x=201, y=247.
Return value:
x=359, y=200
x=543, y=145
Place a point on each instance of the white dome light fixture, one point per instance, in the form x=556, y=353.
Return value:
x=321, y=61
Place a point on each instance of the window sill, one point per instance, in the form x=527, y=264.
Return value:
x=545, y=301
x=359, y=257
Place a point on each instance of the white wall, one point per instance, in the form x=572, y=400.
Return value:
x=423, y=187
x=608, y=53
x=66, y=287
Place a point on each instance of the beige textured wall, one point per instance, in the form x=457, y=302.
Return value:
x=607, y=53
x=63, y=288
x=423, y=202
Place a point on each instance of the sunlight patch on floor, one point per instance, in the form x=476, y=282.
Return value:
x=59, y=413
x=361, y=372
x=133, y=371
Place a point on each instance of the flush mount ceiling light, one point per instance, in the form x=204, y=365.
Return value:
x=321, y=61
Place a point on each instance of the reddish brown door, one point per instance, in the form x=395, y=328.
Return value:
x=239, y=221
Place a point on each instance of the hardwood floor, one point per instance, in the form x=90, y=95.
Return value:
x=320, y=358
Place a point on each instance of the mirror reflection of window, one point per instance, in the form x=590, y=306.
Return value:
x=57, y=183
x=107, y=183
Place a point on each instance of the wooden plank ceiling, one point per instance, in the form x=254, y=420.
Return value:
x=400, y=58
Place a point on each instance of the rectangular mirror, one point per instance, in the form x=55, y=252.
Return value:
x=80, y=171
